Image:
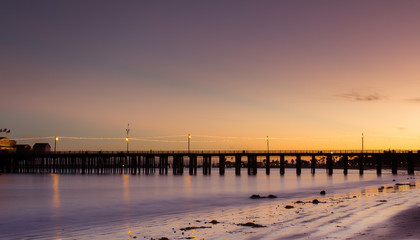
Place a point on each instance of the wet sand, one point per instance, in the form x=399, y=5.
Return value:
x=403, y=225
x=388, y=212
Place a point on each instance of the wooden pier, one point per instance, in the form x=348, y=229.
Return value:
x=151, y=162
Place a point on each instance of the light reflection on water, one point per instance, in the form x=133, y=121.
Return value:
x=47, y=204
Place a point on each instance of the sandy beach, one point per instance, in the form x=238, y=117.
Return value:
x=403, y=225
x=383, y=212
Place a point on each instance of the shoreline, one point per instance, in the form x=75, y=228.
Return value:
x=378, y=212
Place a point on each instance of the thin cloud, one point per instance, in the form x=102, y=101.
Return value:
x=414, y=99
x=361, y=97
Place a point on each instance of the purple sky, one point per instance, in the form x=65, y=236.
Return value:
x=310, y=74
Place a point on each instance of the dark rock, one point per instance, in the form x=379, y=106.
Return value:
x=191, y=228
x=251, y=224
x=214, y=222
x=272, y=196
x=288, y=206
x=315, y=201
x=163, y=238
x=299, y=201
x=322, y=192
x=382, y=201
x=255, y=196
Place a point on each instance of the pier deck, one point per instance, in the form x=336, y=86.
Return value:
x=136, y=162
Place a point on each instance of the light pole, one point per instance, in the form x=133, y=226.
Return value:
x=268, y=144
x=55, y=144
x=127, y=139
x=189, y=142
x=363, y=139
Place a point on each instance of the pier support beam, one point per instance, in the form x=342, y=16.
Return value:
x=238, y=163
x=330, y=164
x=163, y=165
x=252, y=164
x=178, y=165
x=394, y=163
x=206, y=165
x=267, y=165
x=193, y=165
x=313, y=164
x=378, y=164
x=345, y=164
x=281, y=164
x=222, y=161
x=361, y=163
x=410, y=164
x=298, y=164
x=83, y=165
x=133, y=165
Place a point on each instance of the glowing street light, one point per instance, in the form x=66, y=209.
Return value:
x=189, y=142
x=363, y=139
x=55, y=144
x=268, y=144
x=127, y=139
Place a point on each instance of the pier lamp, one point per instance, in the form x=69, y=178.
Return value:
x=126, y=139
x=268, y=144
x=189, y=142
x=363, y=139
x=55, y=144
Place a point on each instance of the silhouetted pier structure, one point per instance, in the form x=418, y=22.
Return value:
x=149, y=162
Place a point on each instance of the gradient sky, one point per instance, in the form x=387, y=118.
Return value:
x=309, y=74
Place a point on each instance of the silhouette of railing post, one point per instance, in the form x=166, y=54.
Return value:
x=267, y=165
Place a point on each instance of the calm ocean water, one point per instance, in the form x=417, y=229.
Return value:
x=40, y=206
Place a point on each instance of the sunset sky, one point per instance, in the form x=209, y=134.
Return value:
x=308, y=74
